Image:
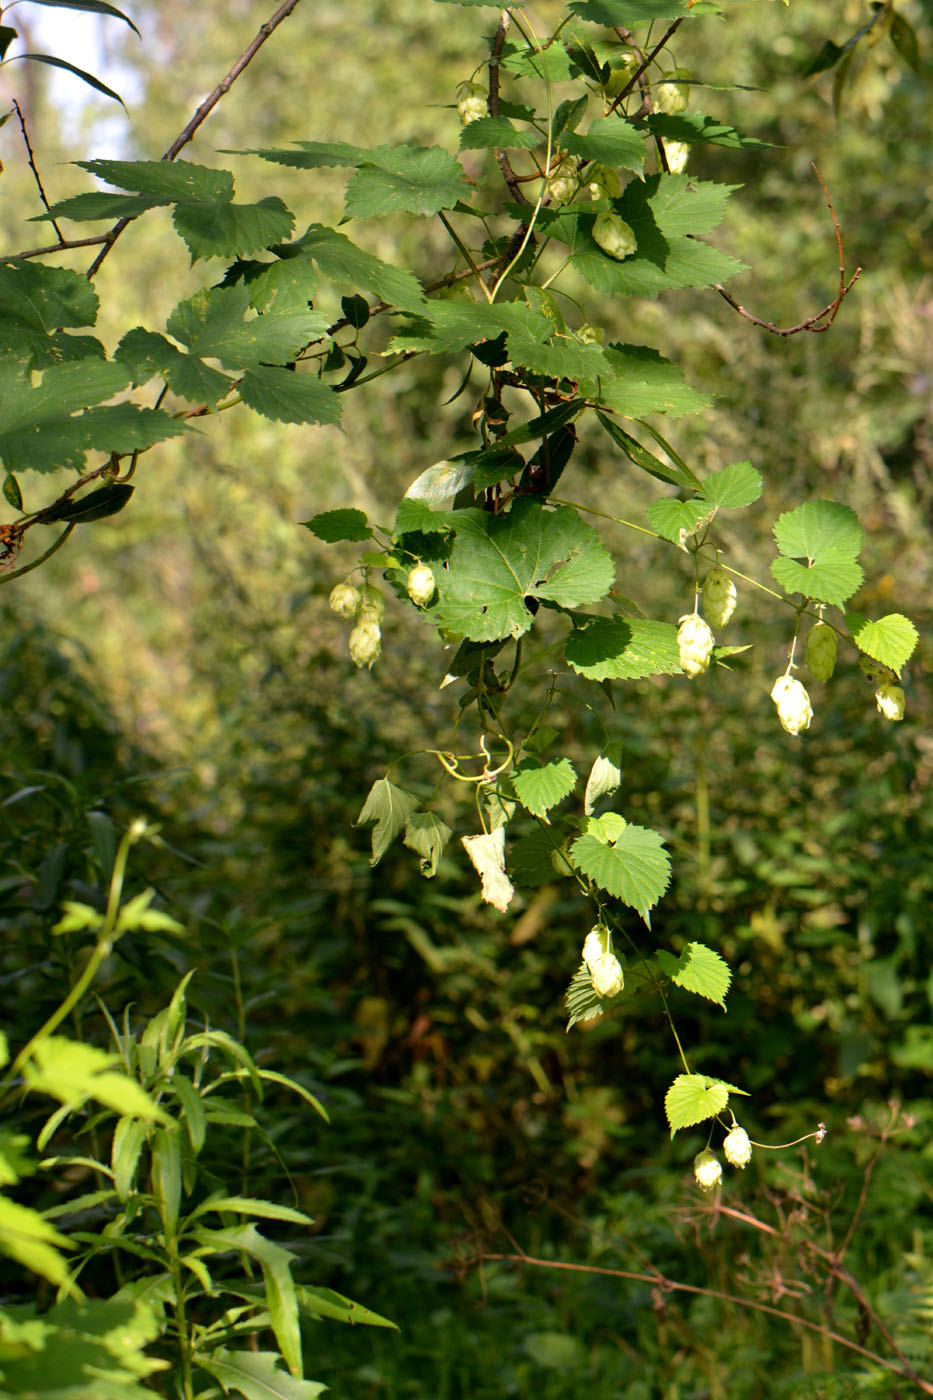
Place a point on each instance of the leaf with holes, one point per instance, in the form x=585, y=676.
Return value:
x=497, y=562
x=616, y=648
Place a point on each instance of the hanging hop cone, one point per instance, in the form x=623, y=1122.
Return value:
x=890, y=701
x=737, y=1147
x=344, y=600
x=365, y=644
x=793, y=704
x=678, y=153
x=820, y=654
x=695, y=644
x=719, y=597
x=595, y=946
x=471, y=103
x=607, y=976
x=420, y=585
x=707, y=1169
x=671, y=96
x=614, y=236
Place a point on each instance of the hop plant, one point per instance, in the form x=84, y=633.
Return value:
x=890, y=701
x=471, y=103
x=737, y=1147
x=793, y=704
x=344, y=599
x=595, y=945
x=420, y=585
x=607, y=976
x=707, y=1169
x=614, y=236
x=365, y=644
x=820, y=652
x=604, y=182
x=372, y=606
x=719, y=597
x=672, y=93
x=563, y=184
x=677, y=154
x=695, y=643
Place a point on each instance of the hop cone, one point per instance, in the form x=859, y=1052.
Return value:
x=793, y=704
x=707, y=1169
x=695, y=644
x=719, y=597
x=820, y=654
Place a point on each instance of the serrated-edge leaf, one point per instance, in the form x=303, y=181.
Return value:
x=389, y=807
x=699, y=970
x=733, y=487
x=692, y=1098
x=344, y=523
x=582, y=1002
x=635, y=869
x=539, y=787
x=891, y=640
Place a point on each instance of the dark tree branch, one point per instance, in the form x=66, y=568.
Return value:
x=823, y=319
x=33, y=168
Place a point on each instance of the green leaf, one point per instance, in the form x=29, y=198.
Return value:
x=827, y=56
x=129, y=1138
x=426, y=834
x=645, y=382
x=609, y=140
x=390, y=808
x=605, y=829
x=441, y=481
x=605, y=775
x=289, y=397
x=340, y=260
x=145, y=354
x=11, y=492
x=733, y=487
x=257, y=1375
x=417, y=517
x=73, y=1072
x=635, y=868
x=498, y=561
x=615, y=648
x=342, y=524
x=282, y=286
x=214, y=323
x=582, y=1002
x=497, y=132
x=530, y=860
x=165, y=181
x=679, y=473
x=904, y=39
x=692, y=1098
x=324, y=1302
x=87, y=1350
x=93, y=7
x=699, y=970
x=413, y=179
x=673, y=520
x=165, y=1152
x=281, y=1301
x=453, y=326
x=45, y=298
x=32, y=1242
x=246, y=1205
x=310, y=155
x=539, y=787
x=224, y=229
x=78, y=72
x=627, y=12
x=694, y=127
x=891, y=640
x=828, y=535
x=37, y=429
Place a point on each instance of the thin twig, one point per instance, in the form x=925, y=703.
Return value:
x=645, y=64
x=505, y=165
x=823, y=319
x=33, y=167
x=206, y=107
x=62, y=247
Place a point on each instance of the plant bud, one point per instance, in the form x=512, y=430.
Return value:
x=344, y=600
x=471, y=103
x=695, y=643
x=820, y=653
x=614, y=236
x=420, y=585
x=707, y=1169
x=607, y=976
x=594, y=948
x=365, y=644
x=738, y=1148
x=604, y=182
x=677, y=153
x=719, y=597
x=793, y=704
x=671, y=96
x=372, y=605
x=890, y=701
x=563, y=184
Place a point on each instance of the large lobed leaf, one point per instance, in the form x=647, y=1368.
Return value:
x=698, y=969
x=692, y=1098
x=634, y=868
x=497, y=562
x=615, y=648
x=828, y=536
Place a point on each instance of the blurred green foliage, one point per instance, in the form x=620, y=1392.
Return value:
x=180, y=663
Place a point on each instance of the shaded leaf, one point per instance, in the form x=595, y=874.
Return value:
x=225, y=229
x=78, y=72
x=257, y=1375
x=289, y=397
x=679, y=474
x=416, y=180
x=609, y=140
x=615, y=648
x=498, y=132
x=389, y=807
x=426, y=834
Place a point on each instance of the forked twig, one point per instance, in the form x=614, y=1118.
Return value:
x=33, y=167
x=205, y=109
x=823, y=319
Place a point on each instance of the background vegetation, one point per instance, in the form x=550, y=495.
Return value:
x=179, y=664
